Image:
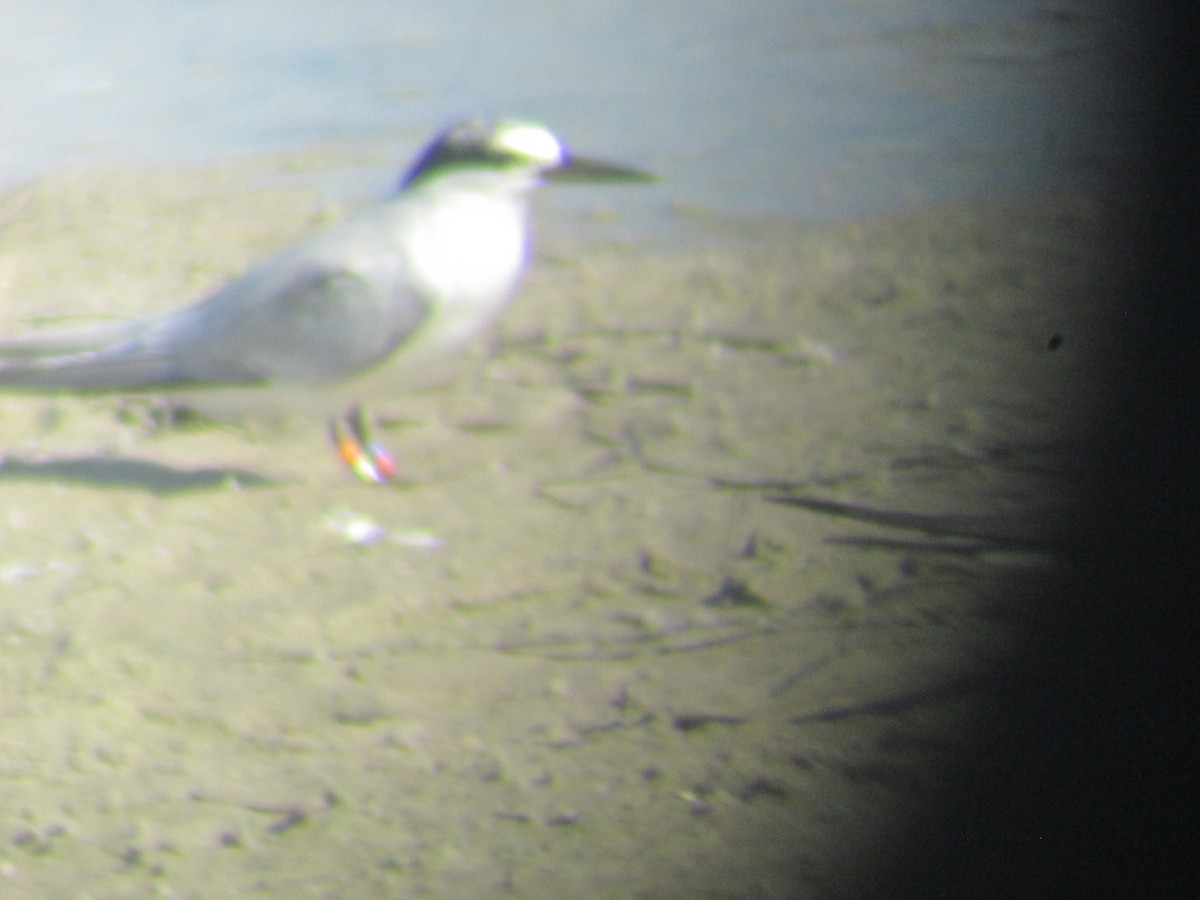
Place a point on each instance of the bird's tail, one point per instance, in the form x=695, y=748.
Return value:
x=64, y=341
x=108, y=356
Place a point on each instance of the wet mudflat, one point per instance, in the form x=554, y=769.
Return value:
x=692, y=586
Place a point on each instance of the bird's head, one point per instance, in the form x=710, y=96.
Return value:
x=528, y=152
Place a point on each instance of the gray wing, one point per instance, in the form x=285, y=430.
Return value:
x=293, y=319
x=312, y=326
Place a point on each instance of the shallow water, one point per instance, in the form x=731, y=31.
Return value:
x=815, y=110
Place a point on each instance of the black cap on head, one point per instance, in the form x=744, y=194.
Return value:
x=511, y=143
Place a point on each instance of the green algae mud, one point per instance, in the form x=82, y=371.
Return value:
x=691, y=586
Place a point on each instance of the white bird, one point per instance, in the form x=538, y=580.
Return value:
x=411, y=278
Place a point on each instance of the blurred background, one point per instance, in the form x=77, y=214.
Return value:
x=813, y=109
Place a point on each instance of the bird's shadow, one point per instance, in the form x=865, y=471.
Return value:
x=129, y=473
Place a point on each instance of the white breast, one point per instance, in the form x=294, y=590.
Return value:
x=466, y=249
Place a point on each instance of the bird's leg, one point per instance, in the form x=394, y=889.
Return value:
x=365, y=457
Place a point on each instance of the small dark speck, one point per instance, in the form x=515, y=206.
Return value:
x=829, y=603
x=291, y=819
x=1055, y=341
x=761, y=787
x=733, y=593
x=698, y=806
x=692, y=722
x=750, y=548
x=509, y=815
x=563, y=818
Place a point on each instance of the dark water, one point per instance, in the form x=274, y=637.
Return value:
x=812, y=109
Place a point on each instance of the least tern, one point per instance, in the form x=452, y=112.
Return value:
x=411, y=278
